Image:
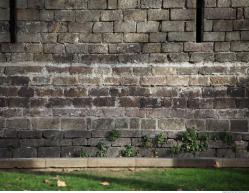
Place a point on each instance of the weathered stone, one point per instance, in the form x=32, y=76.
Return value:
x=239, y=125
x=171, y=124
x=49, y=152
x=73, y=124
x=217, y=125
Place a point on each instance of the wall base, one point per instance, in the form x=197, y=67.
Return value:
x=76, y=163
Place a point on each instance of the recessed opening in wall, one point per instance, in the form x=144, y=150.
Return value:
x=200, y=4
x=12, y=21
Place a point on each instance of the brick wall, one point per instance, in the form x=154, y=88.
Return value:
x=128, y=65
x=121, y=31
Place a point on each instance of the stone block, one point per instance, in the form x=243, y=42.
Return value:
x=127, y=26
x=173, y=26
x=149, y=124
x=158, y=14
x=171, y=124
x=217, y=125
x=49, y=152
x=73, y=124
x=149, y=26
x=134, y=37
x=239, y=125
x=181, y=36
x=148, y=4
x=135, y=15
x=182, y=14
x=103, y=27
x=103, y=124
x=112, y=15
x=27, y=152
x=45, y=123
x=97, y=4
x=128, y=4
x=220, y=13
x=173, y=3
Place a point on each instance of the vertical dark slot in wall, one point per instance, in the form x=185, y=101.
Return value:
x=200, y=4
x=12, y=26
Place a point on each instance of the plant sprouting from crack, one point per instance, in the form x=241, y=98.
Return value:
x=102, y=150
x=226, y=138
x=160, y=140
x=113, y=135
x=84, y=154
x=191, y=142
x=128, y=151
x=146, y=142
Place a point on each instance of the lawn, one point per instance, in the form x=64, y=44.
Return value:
x=156, y=179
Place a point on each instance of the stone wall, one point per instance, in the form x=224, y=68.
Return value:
x=53, y=110
x=121, y=31
x=83, y=68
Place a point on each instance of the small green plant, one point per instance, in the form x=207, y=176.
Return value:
x=160, y=140
x=146, y=142
x=102, y=150
x=176, y=149
x=84, y=154
x=128, y=151
x=227, y=138
x=193, y=143
x=113, y=135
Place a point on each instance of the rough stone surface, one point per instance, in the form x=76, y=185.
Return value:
x=78, y=105
x=79, y=69
x=104, y=31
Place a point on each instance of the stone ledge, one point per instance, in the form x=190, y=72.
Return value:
x=48, y=163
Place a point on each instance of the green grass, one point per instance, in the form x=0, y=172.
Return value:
x=156, y=179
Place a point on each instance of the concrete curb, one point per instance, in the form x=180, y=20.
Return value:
x=60, y=163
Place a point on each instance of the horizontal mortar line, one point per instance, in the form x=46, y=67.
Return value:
x=176, y=64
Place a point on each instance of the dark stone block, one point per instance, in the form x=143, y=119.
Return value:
x=5, y=153
x=82, y=102
x=26, y=92
x=77, y=134
x=58, y=102
x=99, y=92
x=239, y=125
x=217, y=125
x=236, y=92
x=18, y=102
x=19, y=80
x=242, y=103
x=52, y=134
x=75, y=92
x=104, y=102
x=129, y=102
x=179, y=103
x=26, y=152
x=149, y=103
x=38, y=102
x=26, y=134
x=3, y=102
x=224, y=103
x=49, y=152
x=213, y=92
x=73, y=151
x=9, y=143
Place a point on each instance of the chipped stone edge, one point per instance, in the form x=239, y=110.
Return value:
x=59, y=163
